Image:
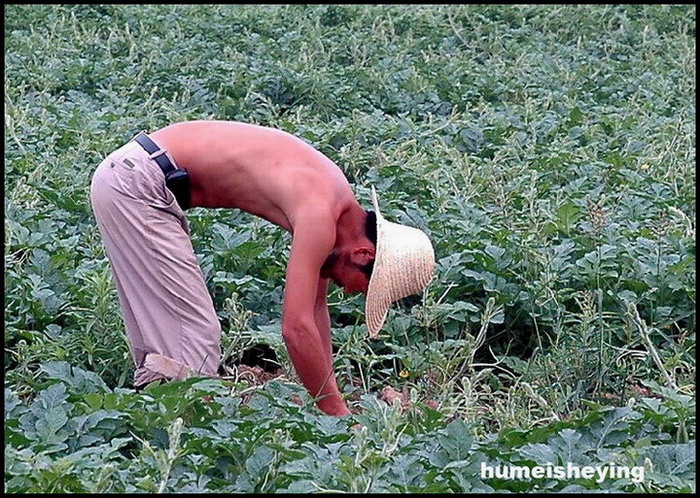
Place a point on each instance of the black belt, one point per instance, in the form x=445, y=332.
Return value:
x=151, y=147
x=177, y=180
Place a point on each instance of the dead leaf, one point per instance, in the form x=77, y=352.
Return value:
x=389, y=395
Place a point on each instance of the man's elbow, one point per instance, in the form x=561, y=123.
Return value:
x=295, y=333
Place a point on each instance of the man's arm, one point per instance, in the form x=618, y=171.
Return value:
x=310, y=353
x=323, y=319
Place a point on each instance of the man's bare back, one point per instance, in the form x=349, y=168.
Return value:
x=263, y=171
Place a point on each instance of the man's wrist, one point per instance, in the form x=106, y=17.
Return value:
x=333, y=405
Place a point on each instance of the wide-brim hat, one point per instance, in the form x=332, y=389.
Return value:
x=404, y=262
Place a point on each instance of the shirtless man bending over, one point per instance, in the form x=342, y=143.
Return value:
x=139, y=194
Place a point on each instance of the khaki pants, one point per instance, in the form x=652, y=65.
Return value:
x=167, y=309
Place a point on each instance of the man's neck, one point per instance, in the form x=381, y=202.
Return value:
x=351, y=226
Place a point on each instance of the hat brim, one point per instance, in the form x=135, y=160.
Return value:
x=403, y=265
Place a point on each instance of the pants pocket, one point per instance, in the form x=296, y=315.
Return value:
x=124, y=177
x=162, y=197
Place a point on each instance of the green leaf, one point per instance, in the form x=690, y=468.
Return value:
x=49, y=425
x=539, y=453
x=79, y=380
x=673, y=459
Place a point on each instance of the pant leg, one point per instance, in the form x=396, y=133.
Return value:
x=166, y=306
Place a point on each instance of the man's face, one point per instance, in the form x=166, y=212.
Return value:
x=340, y=269
x=352, y=279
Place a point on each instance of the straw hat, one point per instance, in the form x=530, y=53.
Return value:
x=403, y=265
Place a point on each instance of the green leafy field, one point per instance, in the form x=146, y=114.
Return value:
x=549, y=151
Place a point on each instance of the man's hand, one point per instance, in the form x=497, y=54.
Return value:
x=313, y=364
x=337, y=409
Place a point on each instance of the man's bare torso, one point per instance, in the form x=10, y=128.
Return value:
x=263, y=171
x=281, y=178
